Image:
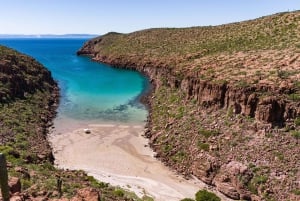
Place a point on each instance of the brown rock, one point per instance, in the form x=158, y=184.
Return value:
x=39, y=198
x=16, y=198
x=228, y=190
x=205, y=168
x=19, y=169
x=87, y=194
x=61, y=199
x=14, y=184
x=231, y=178
x=270, y=110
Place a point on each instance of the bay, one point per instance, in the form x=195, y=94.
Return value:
x=89, y=90
x=104, y=100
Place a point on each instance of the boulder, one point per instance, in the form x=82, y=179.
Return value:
x=231, y=180
x=14, y=184
x=87, y=194
x=16, y=198
x=205, y=167
x=270, y=110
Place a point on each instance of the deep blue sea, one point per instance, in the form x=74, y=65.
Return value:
x=89, y=90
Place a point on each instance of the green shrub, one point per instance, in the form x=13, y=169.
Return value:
x=26, y=184
x=283, y=74
x=296, y=134
x=297, y=121
x=204, y=195
x=187, y=199
x=208, y=133
x=203, y=146
x=296, y=191
x=147, y=198
x=294, y=97
x=119, y=192
x=260, y=179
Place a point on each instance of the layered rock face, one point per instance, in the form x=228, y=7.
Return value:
x=226, y=101
x=269, y=104
x=274, y=108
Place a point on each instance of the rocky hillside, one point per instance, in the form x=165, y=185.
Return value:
x=226, y=100
x=28, y=97
x=28, y=101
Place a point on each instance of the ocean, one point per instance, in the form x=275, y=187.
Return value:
x=89, y=90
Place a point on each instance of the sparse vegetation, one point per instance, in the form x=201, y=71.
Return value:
x=256, y=63
x=119, y=192
x=297, y=121
x=294, y=96
x=296, y=191
x=27, y=105
x=187, y=199
x=204, y=195
x=208, y=133
x=203, y=146
x=296, y=135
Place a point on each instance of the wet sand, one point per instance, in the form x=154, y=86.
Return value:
x=118, y=154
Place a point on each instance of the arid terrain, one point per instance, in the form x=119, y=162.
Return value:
x=225, y=108
x=28, y=101
x=225, y=105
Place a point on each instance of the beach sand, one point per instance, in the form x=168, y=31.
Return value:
x=118, y=154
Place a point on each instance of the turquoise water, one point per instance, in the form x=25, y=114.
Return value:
x=89, y=90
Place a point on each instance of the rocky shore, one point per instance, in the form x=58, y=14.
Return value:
x=223, y=111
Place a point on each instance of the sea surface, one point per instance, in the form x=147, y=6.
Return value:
x=89, y=90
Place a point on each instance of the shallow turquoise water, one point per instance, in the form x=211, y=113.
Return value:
x=89, y=90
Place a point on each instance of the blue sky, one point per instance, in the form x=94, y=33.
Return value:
x=101, y=16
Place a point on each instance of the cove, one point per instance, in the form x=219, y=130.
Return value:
x=105, y=100
x=89, y=90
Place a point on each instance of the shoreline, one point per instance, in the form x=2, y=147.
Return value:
x=118, y=154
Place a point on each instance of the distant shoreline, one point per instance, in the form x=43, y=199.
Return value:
x=64, y=36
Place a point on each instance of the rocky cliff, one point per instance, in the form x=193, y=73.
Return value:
x=226, y=101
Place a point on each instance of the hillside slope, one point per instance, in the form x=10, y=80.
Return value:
x=28, y=102
x=226, y=101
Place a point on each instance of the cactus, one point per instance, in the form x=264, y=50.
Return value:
x=59, y=185
x=4, y=178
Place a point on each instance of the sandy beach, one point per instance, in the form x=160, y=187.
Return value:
x=118, y=154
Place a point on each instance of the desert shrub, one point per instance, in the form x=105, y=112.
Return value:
x=296, y=134
x=296, y=191
x=297, y=121
x=203, y=146
x=294, y=97
x=208, y=133
x=187, y=199
x=204, y=195
x=119, y=192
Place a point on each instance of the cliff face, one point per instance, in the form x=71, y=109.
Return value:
x=225, y=105
x=264, y=102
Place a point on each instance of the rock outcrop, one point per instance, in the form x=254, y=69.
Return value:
x=14, y=184
x=21, y=75
x=87, y=194
x=231, y=178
